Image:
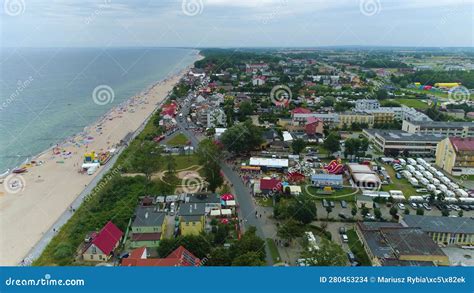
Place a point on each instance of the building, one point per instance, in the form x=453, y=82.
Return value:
x=398, y=142
x=348, y=118
x=363, y=176
x=455, y=155
x=392, y=244
x=314, y=127
x=192, y=218
x=100, y=246
x=258, y=81
x=443, y=230
x=458, y=129
x=215, y=117
x=180, y=257
x=367, y=104
x=407, y=113
x=269, y=163
x=270, y=186
x=323, y=180
x=148, y=227
x=327, y=118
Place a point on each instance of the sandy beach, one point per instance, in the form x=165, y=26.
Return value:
x=50, y=188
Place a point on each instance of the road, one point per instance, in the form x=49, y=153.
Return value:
x=247, y=206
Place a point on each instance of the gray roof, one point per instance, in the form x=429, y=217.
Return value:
x=400, y=135
x=192, y=209
x=443, y=124
x=148, y=217
x=203, y=198
x=441, y=224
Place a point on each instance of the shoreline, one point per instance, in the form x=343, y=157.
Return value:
x=30, y=217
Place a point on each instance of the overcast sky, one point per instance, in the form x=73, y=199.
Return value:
x=234, y=23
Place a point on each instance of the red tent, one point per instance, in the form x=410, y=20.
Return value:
x=225, y=221
x=227, y=196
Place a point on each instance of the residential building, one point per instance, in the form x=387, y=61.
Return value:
x=458, y=129
x=443, y=230
x=100, y=246
x=258, y=80
x=180, y=257
x=455, y=155
x=314, y=127
x=346, y=119
x=327, y=118
x=392, y=244
x=148, y=227
x=367, y=104
x=398, y=142
x=192, y=218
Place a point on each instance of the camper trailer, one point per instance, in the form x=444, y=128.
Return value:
x=411, y=161
x=413, y=182
x=424, y=181
x=411, y=168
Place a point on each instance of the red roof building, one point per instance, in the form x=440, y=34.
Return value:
x=300, y=111
x=314, y=126
x=101, y=245
x=268, y=185
x=462, y=144
x=169, y=109
x=179, y=257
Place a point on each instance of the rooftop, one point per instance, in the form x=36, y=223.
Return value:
x=192, y=209
x=400, y=135
x=147, y=216
x=441, y=224
x=443, y=124
x=462, y=144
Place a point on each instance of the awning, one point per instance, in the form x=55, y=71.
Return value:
x=252, y=168
x=226, y=212
x=230, y=203
x=215, y=213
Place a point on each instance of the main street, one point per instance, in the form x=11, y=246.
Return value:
x=247, y=206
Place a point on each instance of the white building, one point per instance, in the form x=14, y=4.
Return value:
x=367, y=104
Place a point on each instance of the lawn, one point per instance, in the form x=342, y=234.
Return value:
x=398, y=184
x=414, y=103
x=434, y=93
x=273, y=250
x=178, y=140
x=340, y=194
x=357, y=248
x=265, y=202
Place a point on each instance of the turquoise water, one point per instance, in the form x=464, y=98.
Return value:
x=46, y=94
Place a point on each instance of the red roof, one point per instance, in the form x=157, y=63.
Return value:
x=311, y=120
x=146, y=236
x=169, y=109
x=270, y=184
x=300, y=111
x=107, y=238
x=462, y=144
x=179, y=257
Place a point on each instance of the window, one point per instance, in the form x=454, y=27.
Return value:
x=94, y=249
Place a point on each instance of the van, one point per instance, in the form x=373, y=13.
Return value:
x=344, y=237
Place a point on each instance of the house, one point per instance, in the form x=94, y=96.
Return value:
x=179, y=257
x=148, y=227
x=192, y=218
x=100, y=246
x=258, y=80
x=314, y=126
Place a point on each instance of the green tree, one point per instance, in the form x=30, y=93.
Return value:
x=331, y=143
x=420, y=211
x=407, y=211
x=249, y=259
x=249, y=242
x=460, y=213
x=328, y=254
x=377, y=213
x=328, y=211
x=210, y=155
x=147, y=160
x=393, y=211
x=354, y=211
x=445, y=212
x=242, y=137
x=298, y=145
x=246, y=108
x=219, y=257
x=303, y=210
x=289, y=230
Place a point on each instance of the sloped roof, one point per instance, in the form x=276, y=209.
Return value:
x=268, y=184
x=107, y=238
x=179, y=257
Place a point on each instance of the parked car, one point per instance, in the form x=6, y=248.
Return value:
x=401, y=206
x=344, y=237
x=332, y=204
x=427, y=206
x=414, y=205
x=351, y=257
x=342, y=230
x=343, y=216
x=398, y=175
x=343, y=204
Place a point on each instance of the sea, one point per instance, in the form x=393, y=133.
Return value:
x=49, y=94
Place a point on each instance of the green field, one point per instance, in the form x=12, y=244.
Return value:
x=273, y=250
x=178, y=140
x=414, y=103
x=398, y=184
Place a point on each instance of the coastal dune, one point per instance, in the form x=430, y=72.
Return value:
x=51, y=188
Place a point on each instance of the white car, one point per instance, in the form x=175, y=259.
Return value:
x=401, y=206
x=422, y=190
